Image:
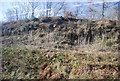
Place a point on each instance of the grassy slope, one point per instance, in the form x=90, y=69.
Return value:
x=95, y=60
x=52, y=64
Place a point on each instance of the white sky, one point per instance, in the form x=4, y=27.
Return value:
x=59, y=0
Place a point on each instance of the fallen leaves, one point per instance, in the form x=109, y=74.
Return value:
x=48, y=73
x=43, y=66
x=56, y=64
x=56, y=76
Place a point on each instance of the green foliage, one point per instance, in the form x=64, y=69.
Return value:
x=36, y=24
x=6, y=50
x=60, y=59
x=26, y=51
x=109, y=43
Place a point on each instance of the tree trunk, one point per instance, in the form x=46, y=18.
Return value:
x=33, y=13
x=119, y=13
x=16, y=12
x=103, y=9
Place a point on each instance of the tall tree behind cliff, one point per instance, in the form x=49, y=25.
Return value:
x=33, y=6
x=103, y=9
x=77, y=10
x=52, y=8
x=119, y=12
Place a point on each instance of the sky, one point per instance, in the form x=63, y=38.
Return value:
x=6, y=4
x=3, y=8
x=59, y=0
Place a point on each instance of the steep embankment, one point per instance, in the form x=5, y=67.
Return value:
x=22, y=63
x=59, y=48
x=58, y=32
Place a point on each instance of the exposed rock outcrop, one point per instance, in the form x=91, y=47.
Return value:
x=64, y=31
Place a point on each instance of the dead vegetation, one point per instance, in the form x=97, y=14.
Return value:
x=60, y=48
x=24, y=64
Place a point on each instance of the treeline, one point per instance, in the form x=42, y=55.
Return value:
x=28, y=10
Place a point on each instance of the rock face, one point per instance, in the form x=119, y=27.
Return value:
x=64, y=31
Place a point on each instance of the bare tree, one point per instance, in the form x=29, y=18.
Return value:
x=24, y=7
x=52, y=8
x=10, y=15
x=92, y=11
x=16, y=13
x=119, y=12
x=68, y=14
x=58, y=7
x=77, y=10
x=27, y=9
x=16, y=10
x=48, y=8
x=103, y=9
x=33, y=6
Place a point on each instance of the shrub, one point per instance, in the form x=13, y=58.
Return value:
x=60, y=59
x=68, y=14
x=109, y=43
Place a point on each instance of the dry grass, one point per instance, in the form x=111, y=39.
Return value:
x=27, y=64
